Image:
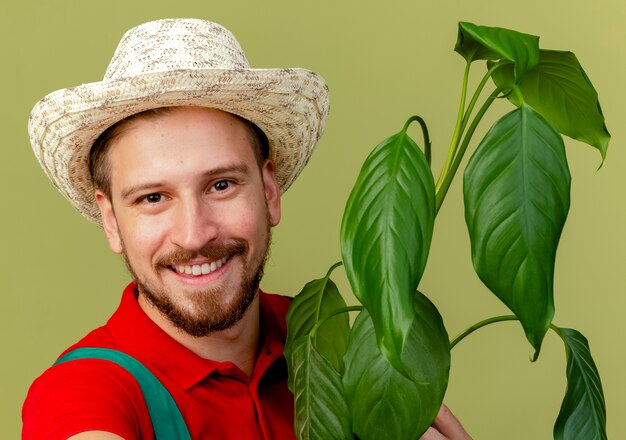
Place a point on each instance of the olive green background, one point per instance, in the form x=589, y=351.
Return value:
x=383, y=61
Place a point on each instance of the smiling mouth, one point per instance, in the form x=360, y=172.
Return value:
x=199, y=269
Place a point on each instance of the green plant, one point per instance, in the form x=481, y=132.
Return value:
x=386, y=376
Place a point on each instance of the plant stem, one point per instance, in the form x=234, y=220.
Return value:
x=481, y=324
x=333, y=267
x=319, y=323
x=445, y=185
x=557, y=330
x=519, y=94
x=427, y=144
x=453, y=152
x=479, y=90
x=457, y=129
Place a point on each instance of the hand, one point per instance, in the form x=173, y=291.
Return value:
x=446, y=427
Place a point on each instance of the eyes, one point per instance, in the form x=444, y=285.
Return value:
x=220, y=186
x=153, y=198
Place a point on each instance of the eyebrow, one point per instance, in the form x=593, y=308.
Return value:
x=226, y=169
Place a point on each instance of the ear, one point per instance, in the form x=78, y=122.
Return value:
x=272, y=192
x=109, y=222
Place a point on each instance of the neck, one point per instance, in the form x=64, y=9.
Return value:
x=238, y=344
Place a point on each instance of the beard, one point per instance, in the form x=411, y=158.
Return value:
x=209, y=312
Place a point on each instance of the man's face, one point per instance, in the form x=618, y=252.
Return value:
x=191, y=211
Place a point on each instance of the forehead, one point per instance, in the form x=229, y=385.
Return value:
x=190, y=139
x=172, y=117
x=178, y=124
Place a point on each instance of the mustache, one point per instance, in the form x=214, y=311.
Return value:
x=213, y=252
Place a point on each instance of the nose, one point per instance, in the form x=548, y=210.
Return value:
x=193, y=224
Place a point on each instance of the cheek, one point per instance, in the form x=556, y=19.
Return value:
x=245, y=224
x=250, y=221
x=141, y=238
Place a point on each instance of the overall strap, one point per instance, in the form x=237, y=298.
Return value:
x=167, y=420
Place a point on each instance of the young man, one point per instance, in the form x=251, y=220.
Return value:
x=180, y=154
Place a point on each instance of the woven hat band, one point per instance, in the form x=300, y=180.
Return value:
x=170, y=45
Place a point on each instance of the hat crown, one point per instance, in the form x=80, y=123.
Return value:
x=173, y=44
x=168, y=63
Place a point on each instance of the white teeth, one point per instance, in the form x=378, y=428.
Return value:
x=197, y=269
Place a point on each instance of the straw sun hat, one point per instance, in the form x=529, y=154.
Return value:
x=176, y=62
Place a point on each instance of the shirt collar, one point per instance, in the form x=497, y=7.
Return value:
x=141, y=338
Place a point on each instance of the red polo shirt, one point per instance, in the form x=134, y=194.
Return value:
x=217, y=399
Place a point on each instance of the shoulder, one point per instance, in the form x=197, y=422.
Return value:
x=277, y=307
x=280, y=303
x=84, y=395
x=277, y=304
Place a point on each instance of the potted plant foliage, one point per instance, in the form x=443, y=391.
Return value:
x=385, y=375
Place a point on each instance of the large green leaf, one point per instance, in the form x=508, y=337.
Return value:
x=493, y=43
x=559, y=89
x=320, y=409
x=583, y=413
x=516, y=189
x=385, y=237
x=317, y=300
x=384, y=403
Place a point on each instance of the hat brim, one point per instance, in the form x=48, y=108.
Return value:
x=289, y=105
